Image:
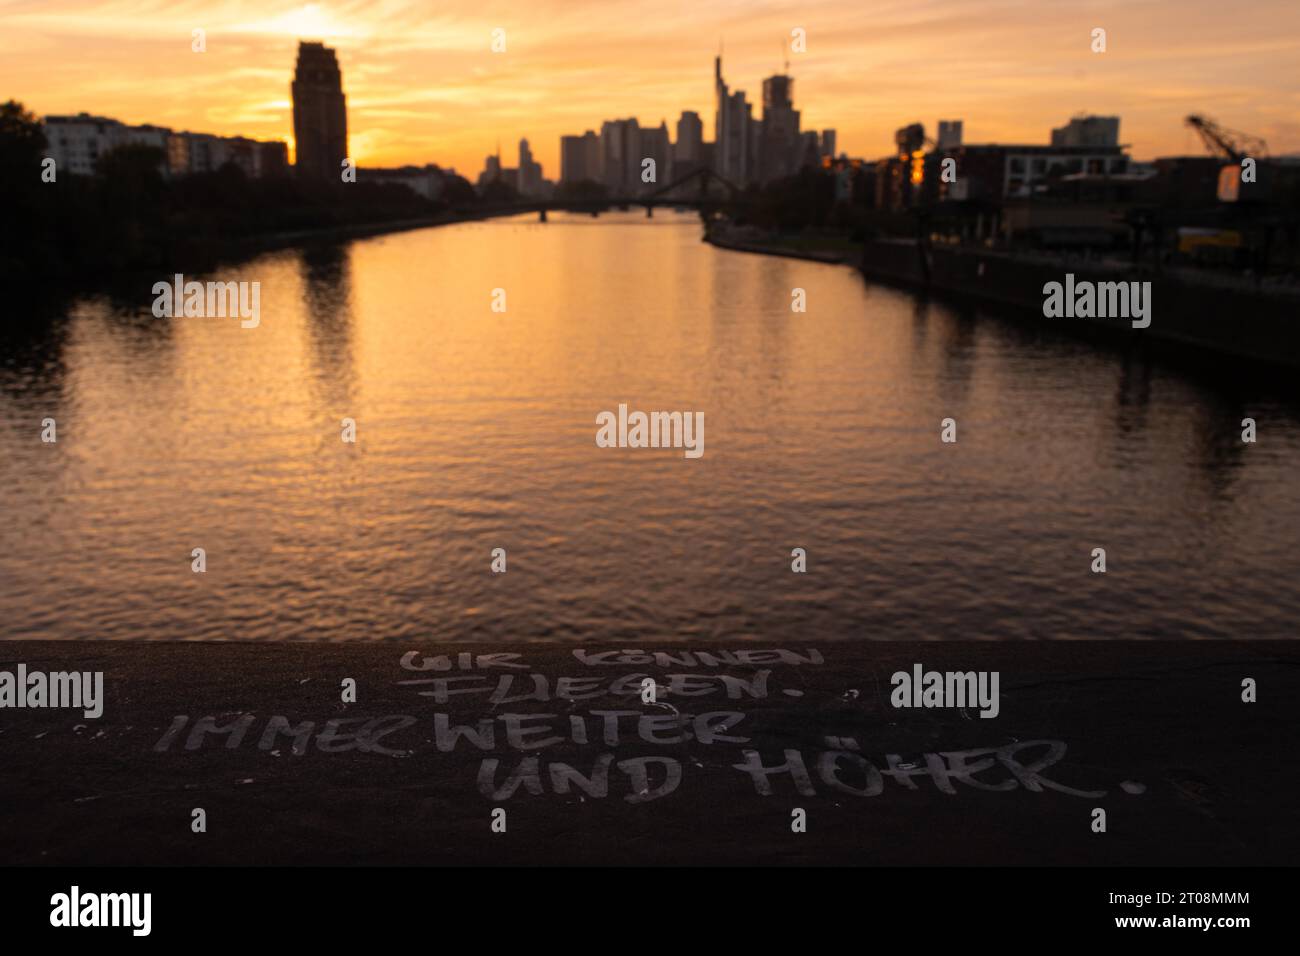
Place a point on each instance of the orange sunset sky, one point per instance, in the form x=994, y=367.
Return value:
x=424, y=86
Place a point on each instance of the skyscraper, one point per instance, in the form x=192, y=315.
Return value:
x=780, y=152
x=491, y=169
x=689, y=150
x=620, y=146
x=580, y=158
x=530, y=171
x=828, y=143
x=733, y=137
x=655, y=145
x=320, y=118
x=573, y=160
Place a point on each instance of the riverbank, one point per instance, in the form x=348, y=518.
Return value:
x=288, y=767
x=242, y=249
x=207, y=255
x=1202, y=313
x=829, y=250
x=128, y=217
x=1206, y=312
x=342, y=233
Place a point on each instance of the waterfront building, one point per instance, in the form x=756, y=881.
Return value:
x=949, y=136
x=1087, y=130
x=427, y=181
x=1000, y=171
x=76, y=143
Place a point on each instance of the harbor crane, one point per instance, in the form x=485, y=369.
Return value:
x=1232, y=144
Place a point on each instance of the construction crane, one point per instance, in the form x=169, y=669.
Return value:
x=1226, y=142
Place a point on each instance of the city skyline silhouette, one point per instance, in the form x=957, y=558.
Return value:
x=424, y=87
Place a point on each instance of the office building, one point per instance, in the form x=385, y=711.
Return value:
x=734, y=137
x=689, y=149
x=828, y=143
x=655, y=145
x=580, y=158
x=620, y=148
x=530, y=171
x=491, y=169
x=781, y=149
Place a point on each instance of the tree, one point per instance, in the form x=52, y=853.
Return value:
x=457, y=192
x=132, y=167
x=23, y=197
x=22, y=140
x=498, y=192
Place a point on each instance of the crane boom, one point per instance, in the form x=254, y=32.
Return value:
x=1234, y=145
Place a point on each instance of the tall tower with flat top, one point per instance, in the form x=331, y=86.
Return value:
x=320, y=117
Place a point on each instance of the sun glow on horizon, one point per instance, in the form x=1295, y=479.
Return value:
x=423, y=84
x=309, y=22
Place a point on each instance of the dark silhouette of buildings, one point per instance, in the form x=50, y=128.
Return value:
x=1088, y=131
x=76, y=144
x=530, y=171
x=734, y=133
x=620, y=146
x=580, y=158
x=320, y=119
x=745, y=150
x=779, y=149
x=689, y=150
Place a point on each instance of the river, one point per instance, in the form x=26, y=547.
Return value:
x=475, y=430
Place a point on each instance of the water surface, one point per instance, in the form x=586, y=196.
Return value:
x=476, y=430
